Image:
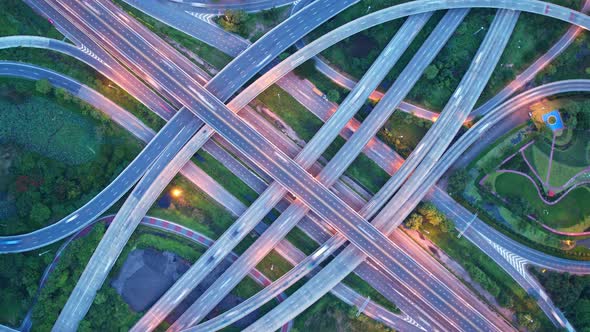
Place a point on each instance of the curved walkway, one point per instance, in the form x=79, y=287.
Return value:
x=539, y=193
x=562, y=15
x=472, y=135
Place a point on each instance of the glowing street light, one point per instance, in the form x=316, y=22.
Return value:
x=176, y=192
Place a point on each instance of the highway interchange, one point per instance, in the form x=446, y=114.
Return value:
x=246, y=145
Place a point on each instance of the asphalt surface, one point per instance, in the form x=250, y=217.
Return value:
x=370, y=126
x=457, y=109
x=219, y=7
x=128, y=121
x=194, y=174
x=308, y=155
x=72, y=322
x=330, y=173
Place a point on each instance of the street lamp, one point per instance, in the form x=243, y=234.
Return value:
x=176, y=192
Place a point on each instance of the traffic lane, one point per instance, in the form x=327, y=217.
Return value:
x=435, y=142
x=489, y=43
x=529, y=73
x=279, y=39
x=100, y=203
x=169, y=13
x=106, y=65
x=290, y=179
x=123, y=225
x=234, y=273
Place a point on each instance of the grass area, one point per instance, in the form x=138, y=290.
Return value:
x=331, y=315
x=19, y=19
x=58, y=152
x=208, y=53
x=225, y=177
x=274, y=266
x=299, y=239
x=19, y=279
x=367, y=173
x=194, y=209
x=476, y=199
x=566, y=214
x=45, y=127
x=511, y=295
x=403, y=132
x=538, y=159
x=532, y=36
x=291, y=111
x=363, y=288
x=567, y=161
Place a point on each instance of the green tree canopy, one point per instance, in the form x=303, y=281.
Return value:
x=43, y=86
x=39, y=213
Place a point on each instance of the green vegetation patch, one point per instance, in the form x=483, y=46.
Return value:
x=193, y=209
x=403, y=132
x=42, y=126
x=573, y=63
x=19, y=280
x=225, y=177
x=566, y=214
x=291, y=111
x=58, y=152
x=19, y=19
x=62, y=280
x=571, y=294
x=486, y=272
x=355, y=54
x=331, y=315
x=567, y=162
x=252, y=25
x=532, y=36
x=363, y=288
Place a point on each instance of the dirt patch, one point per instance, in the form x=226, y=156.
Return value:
x=147, y=274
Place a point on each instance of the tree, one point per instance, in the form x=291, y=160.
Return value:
x=333, y=96
x=272, y=14
x=414, y=222
x=431, y=214
x=39, y=213
x=232, y=20
x=457, y=182
x=526, y=320
x=306, y=69
x=43, y=86
x=431, y=72
x=582, y=313
x=505, y=300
